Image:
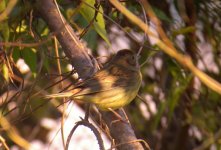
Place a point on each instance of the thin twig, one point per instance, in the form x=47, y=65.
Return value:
x=61, y=83
x=35, y=44
x=4, y=143
x=93, y=129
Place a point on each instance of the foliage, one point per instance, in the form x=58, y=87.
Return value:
x=176, y=108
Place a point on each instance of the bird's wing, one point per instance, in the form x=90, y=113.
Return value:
x=88, y=86
x=100, y=82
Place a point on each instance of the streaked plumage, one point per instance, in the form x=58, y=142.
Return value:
x=114, y=86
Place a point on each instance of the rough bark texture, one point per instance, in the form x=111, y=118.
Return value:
x=75, y=51
x=122, y=132
x=72, y=46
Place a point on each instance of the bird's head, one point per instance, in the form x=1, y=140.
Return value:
x=126, y=58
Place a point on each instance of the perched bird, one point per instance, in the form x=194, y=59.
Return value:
x=112, y=87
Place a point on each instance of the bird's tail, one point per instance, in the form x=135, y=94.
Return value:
x=59, y=95
x=62, y=95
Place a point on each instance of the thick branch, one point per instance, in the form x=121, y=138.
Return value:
x=72, y=46
x=122, y=132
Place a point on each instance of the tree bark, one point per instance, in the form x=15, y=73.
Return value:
x=70, y=43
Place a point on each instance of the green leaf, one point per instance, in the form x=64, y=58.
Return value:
x=88, y=13
x=183, y=31
x=157, y=118
x=16, y=54
x=2, y=5
x=4, y=28
x=161, y=15
x=176, y=93
x=47, y=64
x=5, y=72
x=90, y=37
x=179, y=84
x=30, y=58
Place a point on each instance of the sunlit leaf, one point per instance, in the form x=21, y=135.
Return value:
x=184, y=31
x=5, y=72
x=99, y=23
x=22, y=27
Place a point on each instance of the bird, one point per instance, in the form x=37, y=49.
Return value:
x=112, y=87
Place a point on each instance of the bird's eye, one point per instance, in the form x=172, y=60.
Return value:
x=131, y=60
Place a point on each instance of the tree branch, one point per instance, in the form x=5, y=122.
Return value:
x=122, y=132
x=72, y=46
